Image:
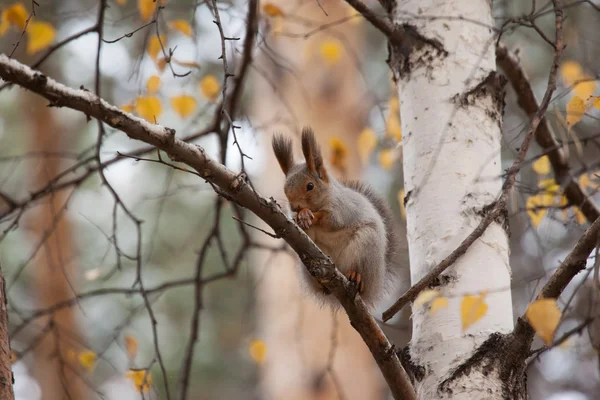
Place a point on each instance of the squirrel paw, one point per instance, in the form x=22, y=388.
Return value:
x=304, y=218
x=355, y=278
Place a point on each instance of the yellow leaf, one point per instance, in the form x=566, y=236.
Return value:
x=181, y=26
x=210, y=87
x=472, y=309
x=272, y=10
x=13, y=357
x=579, y=216
x=258, y=351
x=16, y=15
x=87, y=359
x=161, y=64
x=575, y=110
x=153, y=84
x=535, y=214
x=331, y=51
x=121, y=2
x=127, y=107
x=544, y=317
x=425, y=297
x=401, y=201
x=148, y=107
x=586, y=88
x=597, y=102
x=141, y=378
x=542, y=166
x=394, y=105
x=393, y=128
x=41, y=34
x=584, y=181
x=4, y=24
x=154, y=46
x=277, y=26
x=131, y=345
x=367, y=141
x=570, y=72
x=184, y=105
x=436, y=304
x=387, y=159
x=550, y=186
x=339, y=153
x=147, y=8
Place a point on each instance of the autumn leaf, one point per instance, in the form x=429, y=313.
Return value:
x=16, y=15
x=585, y=89
x=121, y=2
x=393, y=127
x=184, y=105
x=148, y=107
x=437, y=304
x=272, y=10
x=154, y=46
x=401, y=202
x=550, y=187
x=258, y=351
x=161, y=63
x=387, y=159
x=425, y=297
x=147, y=8
x=537, y=207
x=13, y=357
x=544, y=317
x=141, y=378
x=472, y=309
x=153, y=84
x=597, y=102
x=575, y=110
x=367, y=141
x=579, y=215
x=87, y=359
x=41, y=35
x=542, y=166
x=182, y=26
x=131, y=345
x=210, y=87
x=127, y=107
x=339, y=153
x=331, y=51
x=570, y=72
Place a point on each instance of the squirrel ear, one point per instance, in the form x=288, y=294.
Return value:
x=312, y=154
x=282, y=147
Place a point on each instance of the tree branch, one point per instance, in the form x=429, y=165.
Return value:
x=237, y=188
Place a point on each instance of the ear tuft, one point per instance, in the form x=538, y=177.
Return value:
x=312, y=154
x=282, y=147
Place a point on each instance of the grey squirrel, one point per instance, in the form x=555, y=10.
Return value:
x=347, y=220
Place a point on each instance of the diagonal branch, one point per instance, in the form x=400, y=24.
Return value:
x=544, y=135
x=237, y=189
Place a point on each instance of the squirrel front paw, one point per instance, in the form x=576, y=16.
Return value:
x=355, y=278
x=304, y=218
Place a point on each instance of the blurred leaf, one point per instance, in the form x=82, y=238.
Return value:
x=387, y=159
x=535, y=213
x=187, y=64
x=16, y=15
x=550, y=186
x=181, y=26
x=570, y=72
x=393, y=127
x=579, y=216
x=272, y=10
x=147, y=8
x=542, y=166
x=154, y=46
x=575, y=110
x=437, y=304
x=87, y=359
x=127, y=107
x=210, y=87
x=425, y=297
x=339, y=153
x=131, y=344
x=258, y=351
x=544, y=317
x=41, y=35
x=401, y=202
x=597, y=102
x=331, y=51
x=141, y=378
x=153, y=84
x=472, y=309
x=148, y=107
x=586, y=88
x=13, y=356
x=367, y=141
x=161, y=63
x=121, y=2
x=184, y=105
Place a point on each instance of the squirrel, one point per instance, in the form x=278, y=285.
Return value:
x=347, y=220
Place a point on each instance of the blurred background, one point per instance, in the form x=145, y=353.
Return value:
x=88, y=225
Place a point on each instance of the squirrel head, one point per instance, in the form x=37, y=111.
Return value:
x=307, y=184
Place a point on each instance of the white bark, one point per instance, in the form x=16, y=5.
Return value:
x=452, y=169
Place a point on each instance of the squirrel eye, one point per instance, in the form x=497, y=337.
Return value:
x=310, y=186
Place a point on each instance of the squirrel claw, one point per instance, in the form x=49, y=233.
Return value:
x=304, y=218
x=355, y=278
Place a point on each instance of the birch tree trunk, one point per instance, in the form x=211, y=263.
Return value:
x=451, y=104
